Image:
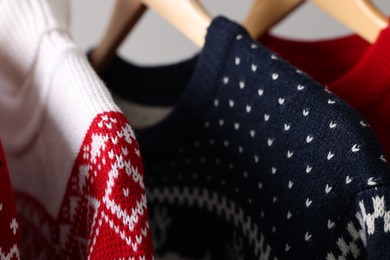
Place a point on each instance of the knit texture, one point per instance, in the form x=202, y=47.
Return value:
x=9, y=235
x=351, y=68
x=103, y=214
x=73, y=158
x=257, y=161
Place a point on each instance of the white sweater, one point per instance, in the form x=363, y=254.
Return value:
x=63, y=137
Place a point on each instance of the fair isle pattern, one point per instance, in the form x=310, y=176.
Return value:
x=9, y=227
x=348, y=249
x=368, y=226
x=104, y=212
x=367, y=220
x=214, y=203
x=12, y=254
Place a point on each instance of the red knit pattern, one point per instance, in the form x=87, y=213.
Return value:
x=104, y=213
x=9, y=228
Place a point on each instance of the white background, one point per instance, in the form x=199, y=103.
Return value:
x=155, y=41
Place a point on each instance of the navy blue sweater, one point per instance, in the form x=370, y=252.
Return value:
x=256, y=161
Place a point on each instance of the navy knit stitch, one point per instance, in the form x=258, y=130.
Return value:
x=257, y=161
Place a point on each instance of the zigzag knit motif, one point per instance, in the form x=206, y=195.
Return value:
x=348, y=249
x=12, y=254
x=371, y=222
x=217, y=204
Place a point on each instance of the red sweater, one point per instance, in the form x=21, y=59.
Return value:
x=353, y=69
x=9, y=227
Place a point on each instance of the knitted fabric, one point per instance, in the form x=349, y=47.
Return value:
x=73, y=158
x=257, y=161
x=351, y=68
x=9, y=235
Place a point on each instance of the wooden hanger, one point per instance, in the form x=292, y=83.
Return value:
x=188, y=16
x=265, y=13
x=359, y=15
x=125, y=15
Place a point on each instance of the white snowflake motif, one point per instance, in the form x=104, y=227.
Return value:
x=128, y=133
x=98, y=143
x=14, y=225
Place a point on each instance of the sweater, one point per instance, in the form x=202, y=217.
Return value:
x=352, y=69
x=9, y=235
x=256, y=160
x=73, y=158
